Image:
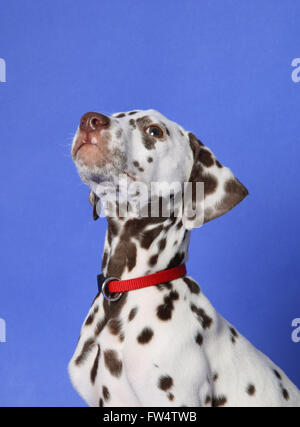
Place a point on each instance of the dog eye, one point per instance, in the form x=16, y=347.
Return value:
x=155, y=131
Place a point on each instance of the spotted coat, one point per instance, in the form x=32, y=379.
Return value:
x=163, y=345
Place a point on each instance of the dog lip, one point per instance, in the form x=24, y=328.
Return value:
x=82, y=143
x=85, y=142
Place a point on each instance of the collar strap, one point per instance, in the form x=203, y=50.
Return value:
x=112, y=285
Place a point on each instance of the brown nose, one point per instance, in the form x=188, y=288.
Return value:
x=93, y=121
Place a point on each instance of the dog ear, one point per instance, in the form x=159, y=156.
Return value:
x=222, y=190
x=93, y=199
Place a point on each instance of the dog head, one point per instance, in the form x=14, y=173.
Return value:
x=147, y=147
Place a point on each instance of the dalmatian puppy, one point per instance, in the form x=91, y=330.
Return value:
x=162, y=345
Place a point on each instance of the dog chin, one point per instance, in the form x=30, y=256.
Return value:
x=95, y=174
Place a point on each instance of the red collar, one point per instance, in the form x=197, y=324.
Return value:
x=112, y=285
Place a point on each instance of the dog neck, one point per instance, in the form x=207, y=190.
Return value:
x=136, y=247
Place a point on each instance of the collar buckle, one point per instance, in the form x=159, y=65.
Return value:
x=104, y=289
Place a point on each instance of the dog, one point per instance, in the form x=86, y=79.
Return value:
x=163, y=345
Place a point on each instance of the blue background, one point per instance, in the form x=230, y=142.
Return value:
x=221, y=69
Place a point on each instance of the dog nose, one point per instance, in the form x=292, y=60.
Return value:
x=93, y=121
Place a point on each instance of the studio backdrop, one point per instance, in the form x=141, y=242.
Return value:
x=226, y=70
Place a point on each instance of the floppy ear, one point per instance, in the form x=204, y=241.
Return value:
x=222, y=190
x=93, y=199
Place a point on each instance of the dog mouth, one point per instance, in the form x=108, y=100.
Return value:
x=80, y=145
x=84, y=139
x=91, y=151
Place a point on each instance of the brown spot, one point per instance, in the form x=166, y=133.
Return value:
x=94, y=369
x=210, y=183
x=100, y=325
x=219, y=164
x=162, y=244
x=132, y=314
x=193, y=287
x=105, y=393
x=203, y=318
x=215, y=377
x=132, y=112
x=199, y=339
x=114, y=310
x=145, y=336
x=109, y=236
x=164, y=311
x=277, y=374
x=104, y=260
x=114, y=326
x=125, y=254
x=285, y=394
x=149, y=236
x=120, y=115
x=234, y=334
x=113, y=227
x=89, y=320
x=176, y=260
x=194, y=142
x=136, y=164
x=101, y=402
x=170, y=396
x=206, y=157
x=132, y=123
x=86, y=349
x=143, y=121
x=165, y=382
x=150, y=159
x=251, y=390
x=163, y=286
x=141, y=169
x=153, y=260
x=218, y=401
x=207, y=400
x=149, y=141
x=113, y=364
x=179, y=225
x=131, y=256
